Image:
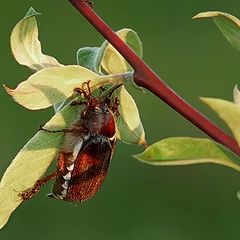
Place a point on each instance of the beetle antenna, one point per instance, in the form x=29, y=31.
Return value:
x=109, y=92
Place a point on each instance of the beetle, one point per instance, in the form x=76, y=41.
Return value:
x=86, y=152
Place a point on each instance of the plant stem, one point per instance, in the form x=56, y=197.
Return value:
x=145, y=77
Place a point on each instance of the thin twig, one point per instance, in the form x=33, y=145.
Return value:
x=145, y=77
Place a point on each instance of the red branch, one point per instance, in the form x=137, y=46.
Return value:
x=145, y=77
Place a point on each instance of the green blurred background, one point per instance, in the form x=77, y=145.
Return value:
x=137, y=201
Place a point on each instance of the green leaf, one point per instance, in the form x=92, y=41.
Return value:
x=112, y=61
x=185, y=151
x=228, y=24
x=31, y=162
x=59, y=106
x=25, y=45
x=50, y=86
x=129, y=126
x=90, y=58
x=228, y=112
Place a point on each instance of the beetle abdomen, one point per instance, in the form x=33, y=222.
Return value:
x=83, y=176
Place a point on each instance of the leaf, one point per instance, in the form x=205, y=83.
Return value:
x=129, y=126
x=26, y=47
x=93, y=57
x=32, y=162
x=185, y=151
x=228, y=112
x=236, y=95
x=112, y=61
x=59, y=106
x=90, y=58
x=228, y=24
x=50, y=86
x=54, y=85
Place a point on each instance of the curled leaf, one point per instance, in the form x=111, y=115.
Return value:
x=90, y=58
x=228, y=112
x=228, y=24
x=129, y=126
x=26, y=47
x=31, y=163
x=185, y=151
x=112, y=61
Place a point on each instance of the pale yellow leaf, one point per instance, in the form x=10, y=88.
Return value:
x=130, y=128
x=50, y=86
x=112, y=61
x=26, y=47
x=228, y=111
x=234, y=19
x=31, y=163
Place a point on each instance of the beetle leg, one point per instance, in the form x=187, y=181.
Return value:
x=102, y=89
x=29, y=193
x=81, y=92
x=112, y=89
x=75, y=129
x=86, y=94
x=78, y=103
x=64, y=130
x=88, y=87
x=114, y=108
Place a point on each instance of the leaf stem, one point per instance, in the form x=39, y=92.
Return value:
x=118, y=78
x=145, y=77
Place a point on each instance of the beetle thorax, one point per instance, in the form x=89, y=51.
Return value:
x=99, y=119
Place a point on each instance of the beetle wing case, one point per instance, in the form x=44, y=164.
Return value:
x=82, y=178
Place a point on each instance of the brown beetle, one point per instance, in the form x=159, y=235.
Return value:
x=85, y=155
